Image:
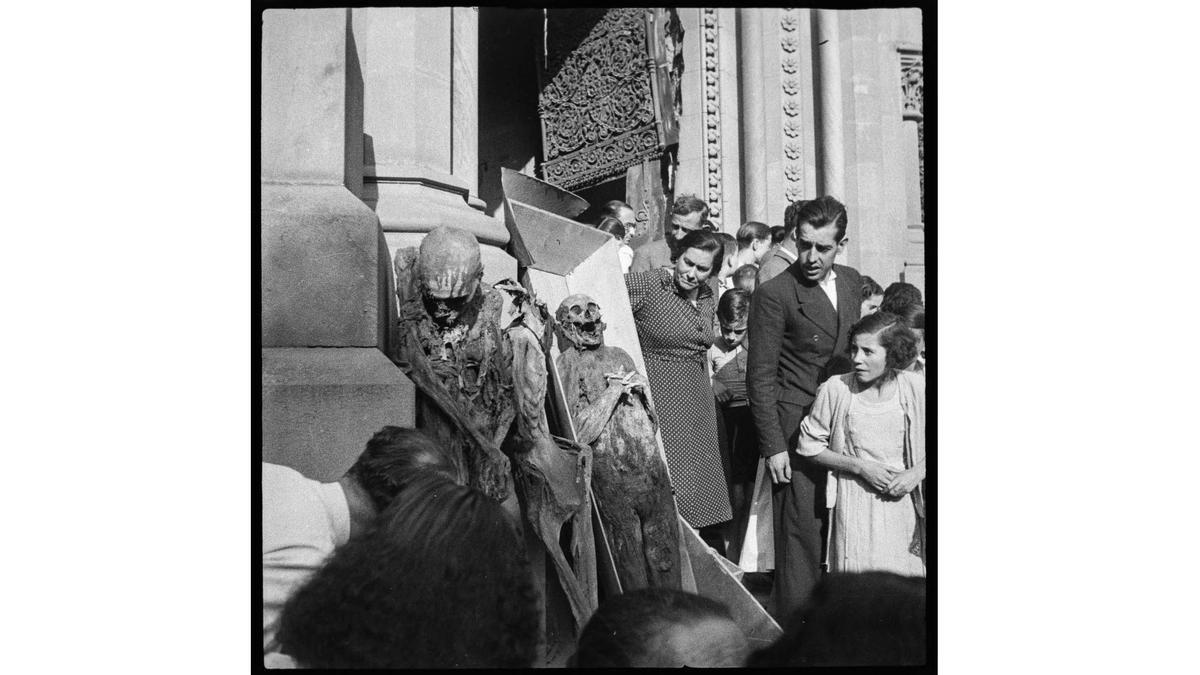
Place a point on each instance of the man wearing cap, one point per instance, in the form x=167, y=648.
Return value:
x=688, y=213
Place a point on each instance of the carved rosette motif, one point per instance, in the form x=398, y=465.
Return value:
x=712, y=114
x=789, y=43
x=597, y=109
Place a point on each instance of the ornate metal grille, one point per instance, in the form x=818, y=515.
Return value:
x=602, y=104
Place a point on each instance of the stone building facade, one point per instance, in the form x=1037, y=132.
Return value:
x=379, y=124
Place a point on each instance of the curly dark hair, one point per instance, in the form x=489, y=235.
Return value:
x=870, y=287
x=819, y=213
x=895, y=337
x=626, y=631
x=393, y=456
x=872, y=618
x=899, y=298
x=439, y=581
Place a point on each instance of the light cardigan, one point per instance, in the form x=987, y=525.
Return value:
x=825, y=426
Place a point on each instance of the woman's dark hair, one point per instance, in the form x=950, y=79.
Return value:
x=439, y=581
x=751, y=231
x=819, y=212
x=870, y=288
x=612, y=226
x=894, y=335
x=393, y=456
x=900, y=297
x=625, y=630
x=778, y=232
x=734, y=306
x=873, y=618
x=705, y=241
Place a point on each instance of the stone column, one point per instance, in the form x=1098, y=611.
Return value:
x=754, y=133
x=829, y=97
x=420, y=71
x=326, y=322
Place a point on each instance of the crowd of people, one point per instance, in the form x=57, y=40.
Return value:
x=790, y=395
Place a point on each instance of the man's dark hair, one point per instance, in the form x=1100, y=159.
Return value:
x=729, y=245
x=895, y=337
x=900, y=297
x=627, y=631
x=778, y=232
x=393, y=456
x=705, y=241
x=819, y=213
x=868, y=619
x=870, y=288
x=750, y=232
x=734, y=306
x=612, y=226
x=685, y=205
x=439, y=581
x=613, y=208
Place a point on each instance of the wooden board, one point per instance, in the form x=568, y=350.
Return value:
x=598, y=274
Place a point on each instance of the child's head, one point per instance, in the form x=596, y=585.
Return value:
x=872, y=295
x=729, y=242
x=745, y=278
x=733, y=311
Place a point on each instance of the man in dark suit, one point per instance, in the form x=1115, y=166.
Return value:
x=799, y=336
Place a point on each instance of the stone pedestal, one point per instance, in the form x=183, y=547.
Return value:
x=328, y=383
x=421, y=119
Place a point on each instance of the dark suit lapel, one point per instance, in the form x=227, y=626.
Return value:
x=849, y=301
x=815, y=305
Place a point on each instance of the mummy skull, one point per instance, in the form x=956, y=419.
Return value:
x=580, y=321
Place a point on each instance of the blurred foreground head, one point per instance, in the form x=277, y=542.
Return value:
x=659, y=627
x=874, y=618
x=441, y=581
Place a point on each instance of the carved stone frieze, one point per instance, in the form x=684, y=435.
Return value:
x=712, y=113
x=912, y=87
x=789, y=42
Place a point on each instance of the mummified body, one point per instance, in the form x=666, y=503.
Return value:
x=612, y=413
x=476, y=375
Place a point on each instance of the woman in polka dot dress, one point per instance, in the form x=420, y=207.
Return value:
x=674, y=310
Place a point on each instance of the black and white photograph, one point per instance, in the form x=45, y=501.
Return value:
x=601, y=331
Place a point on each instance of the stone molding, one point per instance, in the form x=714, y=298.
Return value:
x=793, y=150
x=912, y=82
x=712, y=113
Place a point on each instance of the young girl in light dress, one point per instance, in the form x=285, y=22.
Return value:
x=868, y=427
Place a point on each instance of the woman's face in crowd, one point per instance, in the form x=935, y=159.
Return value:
x=692, y=268
x=869, y=358
x=871, y=304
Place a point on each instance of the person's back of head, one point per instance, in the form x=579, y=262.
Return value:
x=751, y=232
x=612, y=226
x=870, y=287
x=899, y=298
x=393, y=456
x=778, y=232
x=660, y=627
x=440, y=581
x=873, y=618
x=745, y=278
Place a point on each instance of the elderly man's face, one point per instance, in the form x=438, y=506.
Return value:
x=681, y=225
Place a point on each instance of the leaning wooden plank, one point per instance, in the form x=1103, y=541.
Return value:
x=715, y=580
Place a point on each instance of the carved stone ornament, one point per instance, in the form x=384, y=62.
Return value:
x=912, y=84
x=712, y=115
x=789, y=22
x=598, y=101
